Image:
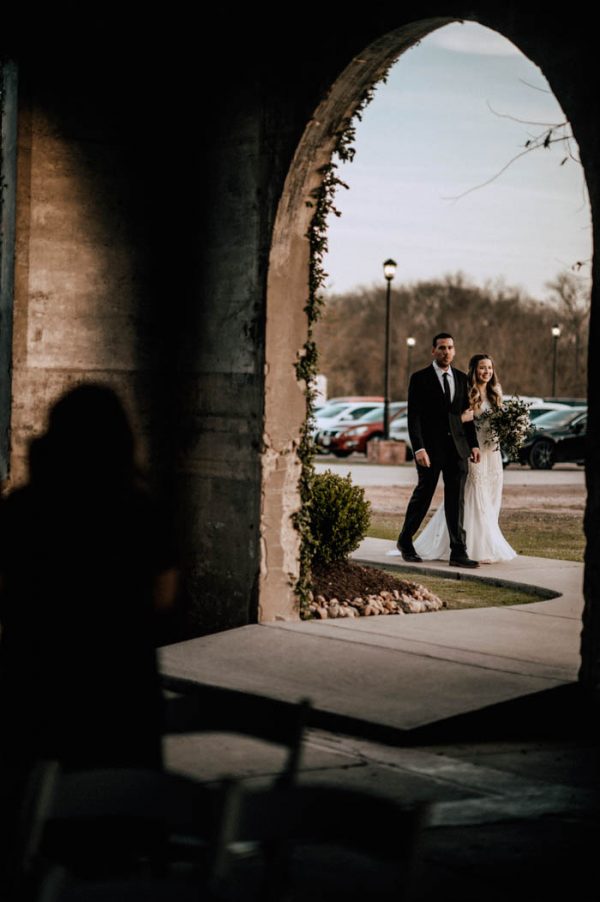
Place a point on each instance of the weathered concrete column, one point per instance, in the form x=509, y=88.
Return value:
x=588, y=135
x=141, y=263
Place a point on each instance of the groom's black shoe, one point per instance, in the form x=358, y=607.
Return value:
x=461, y=560
x=409, y=554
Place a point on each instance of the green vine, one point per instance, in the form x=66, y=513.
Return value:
x=322, y=200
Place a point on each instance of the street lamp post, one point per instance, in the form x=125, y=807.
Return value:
x=389, y=270
x=555, y=337
x=410, y=343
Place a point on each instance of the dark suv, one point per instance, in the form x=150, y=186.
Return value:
x=558, y=436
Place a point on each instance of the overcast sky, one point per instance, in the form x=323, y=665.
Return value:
x=428, y=136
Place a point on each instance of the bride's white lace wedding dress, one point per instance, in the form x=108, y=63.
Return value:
x=483, y=497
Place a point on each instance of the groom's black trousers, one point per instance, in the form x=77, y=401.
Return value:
x=454, y=469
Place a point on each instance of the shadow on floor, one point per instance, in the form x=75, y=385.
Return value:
x=562, y=712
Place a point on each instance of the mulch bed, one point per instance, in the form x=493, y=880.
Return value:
x=342, y=589
x=342, y=580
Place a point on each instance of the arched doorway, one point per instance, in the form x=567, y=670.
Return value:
x=287, y=286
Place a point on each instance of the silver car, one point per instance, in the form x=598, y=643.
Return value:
x=399, y=433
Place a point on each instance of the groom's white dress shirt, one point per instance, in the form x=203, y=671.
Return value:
x=440, y=373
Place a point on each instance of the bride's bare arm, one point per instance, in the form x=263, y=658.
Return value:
x=467, y=415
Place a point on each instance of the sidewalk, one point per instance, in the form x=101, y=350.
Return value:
x=474, y=711
x=395, y=673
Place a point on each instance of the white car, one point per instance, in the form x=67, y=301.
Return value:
x=347, y=412
x=537, y=409
x=348, y=436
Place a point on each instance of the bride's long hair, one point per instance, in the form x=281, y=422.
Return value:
x=493, y=388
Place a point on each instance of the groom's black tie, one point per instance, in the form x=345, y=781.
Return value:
x=446, y=381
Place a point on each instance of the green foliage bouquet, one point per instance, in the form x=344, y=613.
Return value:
x=508, y=426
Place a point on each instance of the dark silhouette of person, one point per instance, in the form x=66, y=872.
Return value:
x=85, y=563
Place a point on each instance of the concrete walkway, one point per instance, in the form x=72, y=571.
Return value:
x=397, y=673
x=469, y=711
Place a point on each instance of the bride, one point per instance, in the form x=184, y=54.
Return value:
x=483, y=488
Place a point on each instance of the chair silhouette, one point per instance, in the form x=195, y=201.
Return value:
x=204, y=709
x=97, y=825
x=116, y=835
x=301, y=831
x=59, y=886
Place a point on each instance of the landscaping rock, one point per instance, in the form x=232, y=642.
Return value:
x=342, y=579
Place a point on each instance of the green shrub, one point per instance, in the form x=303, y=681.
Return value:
x=339, y=517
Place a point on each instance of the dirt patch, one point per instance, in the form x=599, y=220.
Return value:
x=393, y=500
x=344, y=580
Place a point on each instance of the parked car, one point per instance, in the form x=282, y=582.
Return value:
x=345, y=438
x=399, y=428
x=539, y=408
x=347, y=411
x=399, y=433
x=529, y=399
x=568, y=402
x=558, y=436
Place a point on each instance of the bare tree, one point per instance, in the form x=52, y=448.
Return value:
x=551, y=133
x=495, y=319
x=571, y=299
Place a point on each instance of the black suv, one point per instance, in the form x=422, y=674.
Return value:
x=558, y=436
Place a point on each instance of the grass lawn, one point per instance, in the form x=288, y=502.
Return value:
x=465, y=593
x=552, y=535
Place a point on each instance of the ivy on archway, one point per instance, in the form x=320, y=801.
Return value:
x=323, y=201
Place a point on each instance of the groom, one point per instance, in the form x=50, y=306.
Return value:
x=442, y=443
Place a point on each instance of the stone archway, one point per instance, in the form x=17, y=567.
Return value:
x=287, y=290
x=287, y=293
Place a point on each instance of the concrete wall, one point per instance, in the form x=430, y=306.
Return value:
x=138, y=264
x=9, y=106
x=77, y=275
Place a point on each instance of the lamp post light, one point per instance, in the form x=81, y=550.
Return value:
x=389, y=271
x=555, y=337
x=410, y=343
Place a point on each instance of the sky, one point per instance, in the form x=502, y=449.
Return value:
x=428, y=136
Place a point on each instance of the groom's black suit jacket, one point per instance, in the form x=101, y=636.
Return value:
x=429, y=421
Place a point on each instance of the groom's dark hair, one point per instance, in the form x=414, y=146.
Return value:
x=437, y=337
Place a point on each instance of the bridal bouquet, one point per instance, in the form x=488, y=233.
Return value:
x=508, y=426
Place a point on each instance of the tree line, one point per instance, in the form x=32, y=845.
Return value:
x=516, y=330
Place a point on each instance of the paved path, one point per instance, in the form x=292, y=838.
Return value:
x=402, y=672
x=366, y=474
x=508, y=785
